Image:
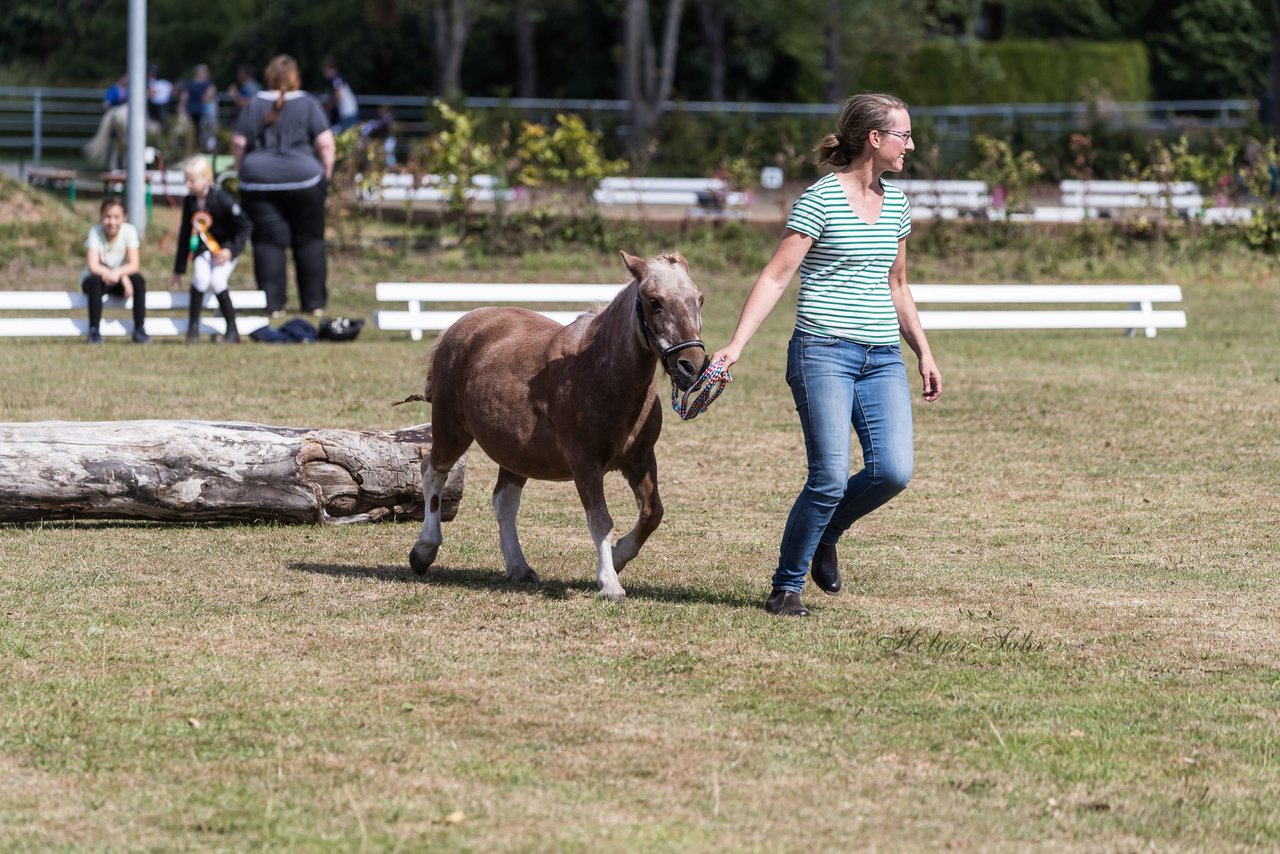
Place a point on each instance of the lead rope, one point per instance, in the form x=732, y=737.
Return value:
x=708, y=387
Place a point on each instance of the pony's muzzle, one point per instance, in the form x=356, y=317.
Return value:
x=686, y=366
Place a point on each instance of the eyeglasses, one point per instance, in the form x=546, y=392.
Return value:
x=904, y=135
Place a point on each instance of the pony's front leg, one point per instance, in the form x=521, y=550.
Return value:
x=506, y=505
x=429, y=538
x=643, y=478
x=600, y=525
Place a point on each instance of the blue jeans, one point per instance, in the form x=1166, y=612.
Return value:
x=836, y=384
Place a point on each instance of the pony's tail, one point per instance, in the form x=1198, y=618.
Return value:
x=431, y=361
x=425, y=397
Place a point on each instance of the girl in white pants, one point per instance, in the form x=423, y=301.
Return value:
x=214, y=232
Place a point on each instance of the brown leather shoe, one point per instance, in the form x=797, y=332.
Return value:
x=825, y=569
x=785, y=603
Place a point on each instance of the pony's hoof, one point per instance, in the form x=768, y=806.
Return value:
x=421, y=558
x=613, y=596
x=524, y=576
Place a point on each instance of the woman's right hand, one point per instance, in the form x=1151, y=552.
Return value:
x=729, y=355
x=175, y=282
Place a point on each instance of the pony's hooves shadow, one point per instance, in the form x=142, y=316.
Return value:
x=473, y=578
x=401, y=573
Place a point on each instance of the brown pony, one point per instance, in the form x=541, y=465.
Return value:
x=554, y=402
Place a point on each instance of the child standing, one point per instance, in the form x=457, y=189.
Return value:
x=111, y=267
x=214, y=230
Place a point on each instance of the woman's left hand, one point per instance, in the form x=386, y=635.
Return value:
x=932, y=378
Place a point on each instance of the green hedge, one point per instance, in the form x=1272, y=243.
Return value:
x=945, y=71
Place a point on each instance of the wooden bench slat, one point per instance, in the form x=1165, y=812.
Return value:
x=1147, y=188
x=157, y=326
x=408, y=321
x=695, y=185
x=1045, y=293
x=682, y=198
x=923, y=185
x=65, y=327
x=156, y=300
x=1138, y=297
x=494, y=292
x=972, y=320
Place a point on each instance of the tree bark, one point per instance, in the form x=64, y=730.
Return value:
x=203, y=471
x=713, y=31
x=526, y=50
x=835, y=73
x=1274, y=68
x=454, y=19
x=648, y=74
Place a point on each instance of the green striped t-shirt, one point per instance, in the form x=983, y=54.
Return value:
x=844, y=278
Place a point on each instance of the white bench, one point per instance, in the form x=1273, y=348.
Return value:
x=698, y=195
x=72, y=301
x=405, y=187
x=945, y=199
x=417, y=294
x=1140, y=313
x=1106, y=198
x=170, y=182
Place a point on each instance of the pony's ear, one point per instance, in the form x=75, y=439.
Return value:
x=638, y=266
x=679, y=259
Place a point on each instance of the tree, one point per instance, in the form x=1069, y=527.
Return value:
x=835, y=76
x=711, y=14
x=526, y=18
x=453, y=22
x=648, y=73
x=1270, y=11
x=1211, y=49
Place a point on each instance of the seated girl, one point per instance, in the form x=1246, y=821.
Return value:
x=112, y=267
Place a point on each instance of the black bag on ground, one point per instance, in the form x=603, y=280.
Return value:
x=340, y=328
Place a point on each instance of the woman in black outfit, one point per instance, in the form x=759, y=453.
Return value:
x=284, y=154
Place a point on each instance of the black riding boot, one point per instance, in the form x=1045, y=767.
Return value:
x=193, y=316
x=228, y=314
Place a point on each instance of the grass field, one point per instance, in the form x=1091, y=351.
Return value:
x=1062, y=635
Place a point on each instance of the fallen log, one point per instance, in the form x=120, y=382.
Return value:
x=204, y=471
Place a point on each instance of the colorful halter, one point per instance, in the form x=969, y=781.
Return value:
x=708, y=387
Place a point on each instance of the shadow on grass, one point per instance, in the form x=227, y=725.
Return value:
x=124, y=524
x=472, y=578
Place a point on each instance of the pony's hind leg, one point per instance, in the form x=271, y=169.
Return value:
x=506, y=505
x=643, y=478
